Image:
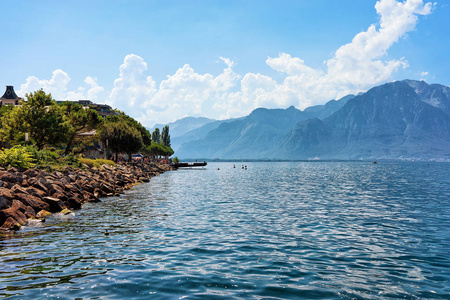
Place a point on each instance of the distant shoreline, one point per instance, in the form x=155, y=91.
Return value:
x=317, y=160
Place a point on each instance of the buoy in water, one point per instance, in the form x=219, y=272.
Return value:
x=106, y=232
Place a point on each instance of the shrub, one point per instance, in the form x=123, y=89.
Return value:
x=17, y=156
x=96, y=162
x=43, y=157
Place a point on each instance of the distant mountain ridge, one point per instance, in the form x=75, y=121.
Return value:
x=253, y=136
x=399, y=120
x=391, y=121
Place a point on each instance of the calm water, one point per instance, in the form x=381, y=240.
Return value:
x=324, y=230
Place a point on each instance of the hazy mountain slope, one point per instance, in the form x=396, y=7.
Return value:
x=183, y=126
x=326, y=110
x=252, y=136
x=389, y=121
x=244, y=137
x=196, y=134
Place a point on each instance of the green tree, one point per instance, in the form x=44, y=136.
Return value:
x=165, y=136
x=79, y=120
x=12, y=124
x=121, y=137
x=156, y=136
x=158, y=150
x=146, y=137
x=44, y=119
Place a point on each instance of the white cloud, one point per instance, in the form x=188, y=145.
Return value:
x=57, y=86
x=354, y=67
x=94, y=88
x=133, y=88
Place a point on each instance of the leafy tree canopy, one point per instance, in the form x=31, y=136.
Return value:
x=165, y=136
x=79, y=119
x=156, y=136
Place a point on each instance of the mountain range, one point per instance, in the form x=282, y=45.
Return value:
x=399, y=120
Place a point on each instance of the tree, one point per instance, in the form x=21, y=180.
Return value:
x=40, y=117
x=146, y=137
x=158, y=150
x=12, y=124
x=80, y=120
x=156, y=137
x=121, y=137
x=165, y=136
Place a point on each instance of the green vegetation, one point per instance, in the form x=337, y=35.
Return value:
x=121, y=137
x=54, y=134
x=79, y=120
x=18, y=157
x=96, y=162
x=156, y=136
x=165, y=137
x=157, y=150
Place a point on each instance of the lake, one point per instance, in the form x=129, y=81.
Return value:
x=312, y=230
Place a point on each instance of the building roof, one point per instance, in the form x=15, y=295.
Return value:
x=10, y=94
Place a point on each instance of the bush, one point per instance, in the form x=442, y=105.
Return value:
x=44, y=157
x=96, y=162
x=18, y=157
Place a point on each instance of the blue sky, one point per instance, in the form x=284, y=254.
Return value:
x=162, y=60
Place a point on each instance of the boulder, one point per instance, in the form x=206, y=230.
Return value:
x=36, y=192
x=56, y=205
x=3, y=203
x=106, y=188
x=7, y=185
x=17, y=189
x=43, y=214
x=38, y=185
x=66, y=211
x=31, y=173
x=8, y=177
x=11, y=223
x=73, y=202
x=36, y=203
x=6, y=193
x=52, y=188
x=29, y=212
x=61, y=196
x=16, y=212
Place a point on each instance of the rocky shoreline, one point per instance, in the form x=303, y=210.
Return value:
x=37, y=193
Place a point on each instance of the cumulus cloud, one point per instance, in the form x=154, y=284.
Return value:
x=133, y=88
x=354, y=67
x=57, y=86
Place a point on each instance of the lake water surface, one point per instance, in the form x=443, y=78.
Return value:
x=312, y=230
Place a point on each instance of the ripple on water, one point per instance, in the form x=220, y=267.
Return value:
x=275, y=231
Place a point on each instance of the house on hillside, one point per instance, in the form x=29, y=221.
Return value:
x=9, y=97
x=102, y=109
